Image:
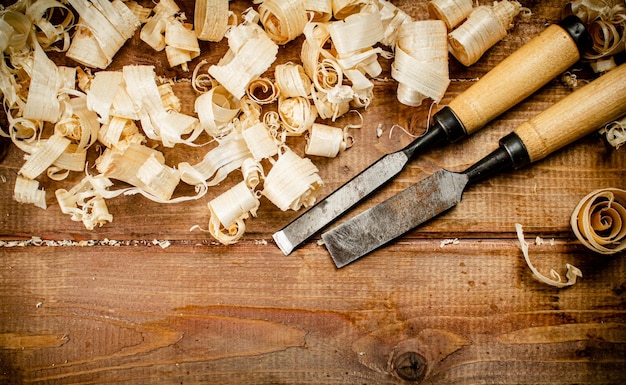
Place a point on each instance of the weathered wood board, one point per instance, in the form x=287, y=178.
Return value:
x=133, y=312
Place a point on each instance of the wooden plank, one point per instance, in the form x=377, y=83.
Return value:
x=215, y=314
x=146, y=301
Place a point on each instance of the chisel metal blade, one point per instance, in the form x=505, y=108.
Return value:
x=356, y=189
x=339, y=201
x=388, y=220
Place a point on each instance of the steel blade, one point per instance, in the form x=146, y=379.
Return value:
x=338, y=202
x=394, y=217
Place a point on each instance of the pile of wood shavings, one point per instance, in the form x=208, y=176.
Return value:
x=123, y=109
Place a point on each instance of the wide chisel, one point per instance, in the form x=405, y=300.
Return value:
x=578, y=114
x=529, y=68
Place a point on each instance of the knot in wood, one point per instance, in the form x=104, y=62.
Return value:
x=410, y=366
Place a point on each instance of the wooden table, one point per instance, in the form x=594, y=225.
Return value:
x=127, y=310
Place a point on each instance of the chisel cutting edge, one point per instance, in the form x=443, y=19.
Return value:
x=525, y=71
x=578, y=114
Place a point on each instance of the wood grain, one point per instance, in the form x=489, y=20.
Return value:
x=197, y=312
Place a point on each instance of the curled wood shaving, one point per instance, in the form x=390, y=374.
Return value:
x=252, y=172
x=571, y=80
x=572, y=271
x=615, y=132
x=327, y=141
x=169, y=127
x=451, y=12
x=485, y=26
x=83, y=202
x=42, y=103
x=313, y=52
x=297, y=114
x=141, y=13
x=599, y=220
x=167, y=30
x=211, y=19
x=392, y=18
x=291, y=80
x=142, y=167
x=181, y=43
x=216, y=109
x=261, y=143
x=229, y=211
x=450, y=241
x=103, y=28
x=251, y=53
x=44, y=156
x=43, y=14
x=322, y=10
x=283, y=20
x=354, y=38
x=262, y=91
x=362, y=90
x=356, y=32
x=293, y=182
x=220, y=161
x=345, y=8
x=421, y=62
x=201, y=82
x=27, y=191
x=116, y=130
x=103, y=89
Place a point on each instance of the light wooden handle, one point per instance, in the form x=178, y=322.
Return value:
x=578, y=114
x=518, y=76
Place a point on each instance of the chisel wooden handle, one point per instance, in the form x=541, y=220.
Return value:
x=577, y=115
x=580, y=113
x=533, y=65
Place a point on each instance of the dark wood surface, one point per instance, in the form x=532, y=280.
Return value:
x=125, y=310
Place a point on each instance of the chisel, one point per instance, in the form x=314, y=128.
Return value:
x=522, y=73
x=578, y=114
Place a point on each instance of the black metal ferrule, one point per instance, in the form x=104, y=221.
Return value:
x=578, y=31
x=445, y=128
x=516, y=149
x=511, y=154
x=447, y=120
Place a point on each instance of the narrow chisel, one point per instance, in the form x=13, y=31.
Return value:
x=578, y=114
x=525, y=71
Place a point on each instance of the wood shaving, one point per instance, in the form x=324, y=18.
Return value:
x=251, y=53
x=421, y=62
x=555, y=278
x=293, y=182
x=322, y=10
x=451, y=241
x=283, y=20
x=103, y=28
x=484, y=27
x=327, y=141
x=229, y=212
x=211, y=19
x=615, y=132
x=599, y=220
x=451, y=12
